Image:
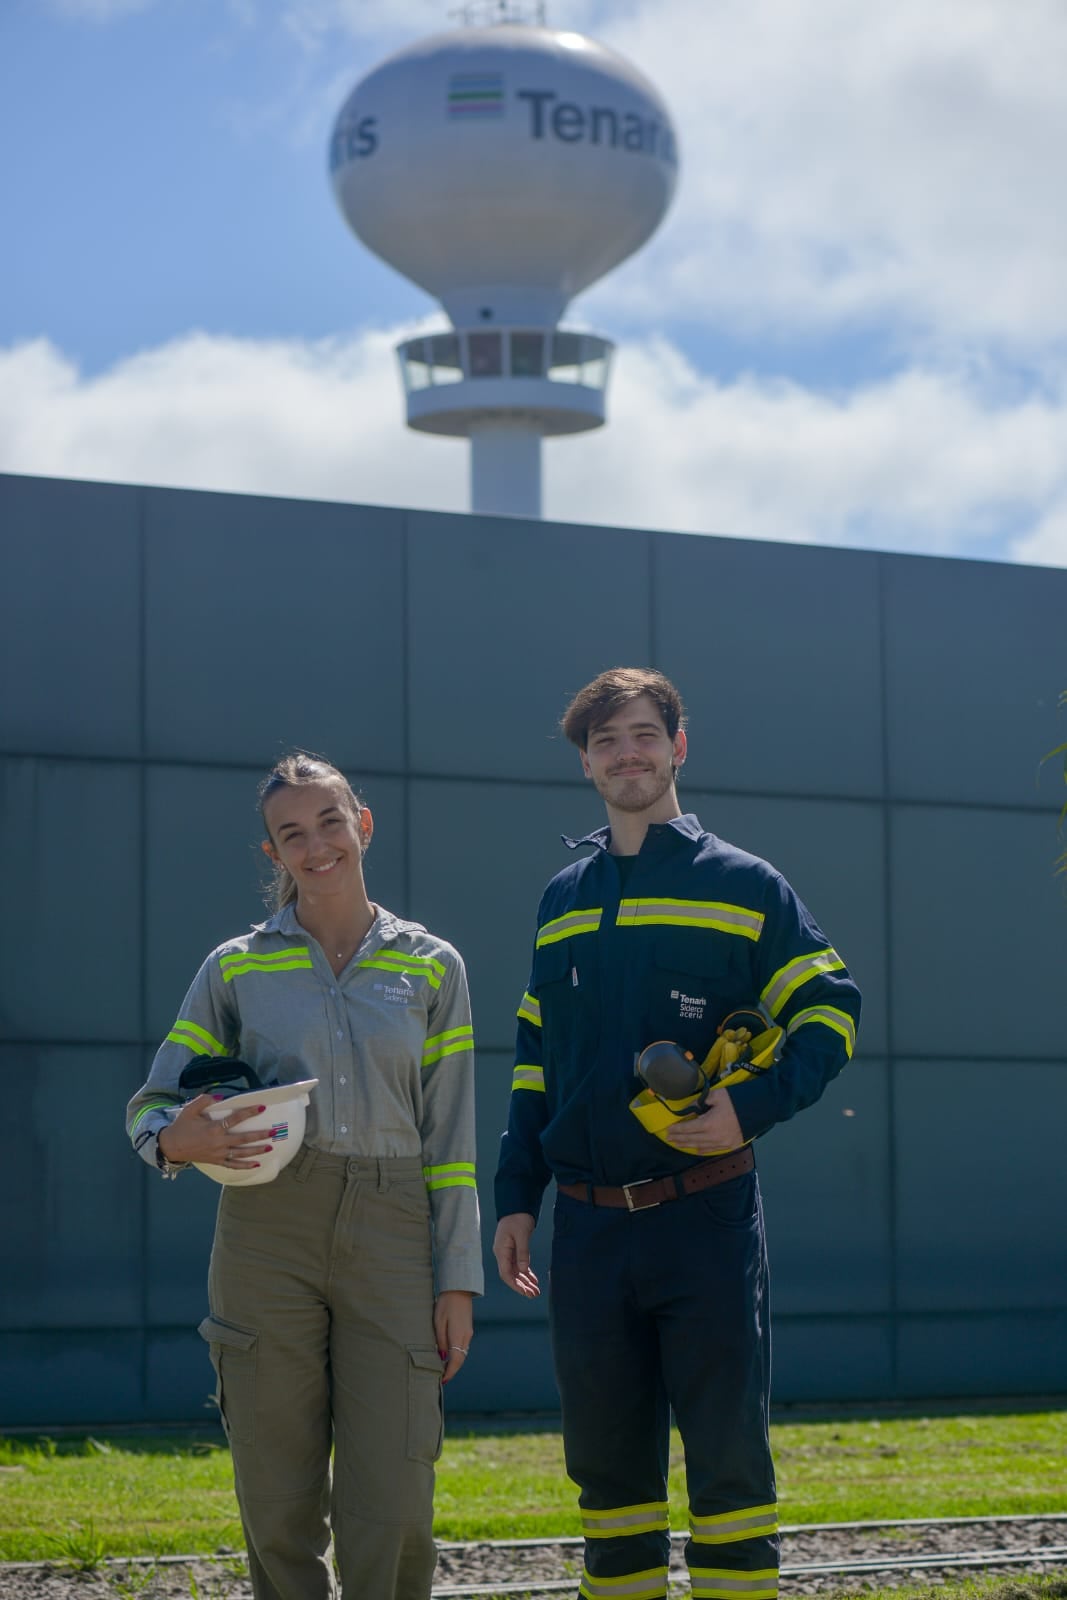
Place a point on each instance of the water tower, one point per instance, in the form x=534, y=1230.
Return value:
x=504, y=166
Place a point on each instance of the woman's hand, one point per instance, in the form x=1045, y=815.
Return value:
x=195, y=1136
x=453, y=1323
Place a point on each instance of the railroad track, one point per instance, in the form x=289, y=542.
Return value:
x=816, y=1557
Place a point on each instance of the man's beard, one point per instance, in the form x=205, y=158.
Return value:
x=635, y=793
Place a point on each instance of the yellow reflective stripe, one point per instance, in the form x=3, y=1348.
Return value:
x=752, y=1522
x=267, y=957
x=830, y=1017
x=198, y=1038
x=287, y=960
x=721, y=1583
x=530, y=1010
x=413, y=966
x=788, y=979
x=584, y=921
x=717, y=914
x=152, y=1105
x=447, y=1044
x=650, y=1518
x=648, y=1585
x=528, y=1077
x=453, y=1175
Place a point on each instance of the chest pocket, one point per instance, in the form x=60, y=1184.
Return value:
x=565, y=978
x=694, y=980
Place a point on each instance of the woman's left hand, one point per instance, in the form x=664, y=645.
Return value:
x=453, y=1323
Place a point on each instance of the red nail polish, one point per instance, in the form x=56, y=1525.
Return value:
x=218, y=1097
x=261, y=1108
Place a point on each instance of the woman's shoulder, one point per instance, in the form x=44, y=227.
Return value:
x=268, y=935
x=415, y=939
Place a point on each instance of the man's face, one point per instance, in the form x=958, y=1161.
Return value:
x=630, y=757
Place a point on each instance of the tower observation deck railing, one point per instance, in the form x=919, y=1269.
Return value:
x=560, y=357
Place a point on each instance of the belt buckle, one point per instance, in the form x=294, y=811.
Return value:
x=640, y=1184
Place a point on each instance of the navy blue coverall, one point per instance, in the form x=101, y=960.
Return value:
x=664, y=1308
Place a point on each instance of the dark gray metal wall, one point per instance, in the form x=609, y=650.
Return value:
x=872, y=724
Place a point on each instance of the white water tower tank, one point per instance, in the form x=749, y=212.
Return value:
x=503, y=169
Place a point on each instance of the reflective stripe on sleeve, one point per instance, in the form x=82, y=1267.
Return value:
x=449, y=1043
x=722, y=1583
x=648, y=1585
x=650, y=1518
x=238, y=961
x=830, y=1017
x=527, y=1076
x=195, y=1038
x=160, y=1104
x=453, y=1175
x=585, y=921
x=751, y=1522
x=788, y=979
x=715, y=914
x=530, y=1010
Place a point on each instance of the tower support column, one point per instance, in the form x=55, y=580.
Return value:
x=506, y=467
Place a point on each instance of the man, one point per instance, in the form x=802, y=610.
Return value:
x=659, y=1271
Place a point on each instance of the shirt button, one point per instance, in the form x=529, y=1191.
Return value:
x=343, y=1128
x=340, y=1035
x=344, y=1080
x=333, y=991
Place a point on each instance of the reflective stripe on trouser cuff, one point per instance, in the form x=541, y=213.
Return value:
x=722, y=1583
x=621, y=1520
x=648, y=1585
x=751, y=1522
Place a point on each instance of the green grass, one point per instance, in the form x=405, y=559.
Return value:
x=71, y=1498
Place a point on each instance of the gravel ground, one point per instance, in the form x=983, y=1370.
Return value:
x=478, y=1567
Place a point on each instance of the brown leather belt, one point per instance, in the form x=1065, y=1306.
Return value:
x=654, y=1191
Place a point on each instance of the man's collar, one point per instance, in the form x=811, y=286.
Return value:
x=687, y=825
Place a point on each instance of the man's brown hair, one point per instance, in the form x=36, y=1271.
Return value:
x=598, y=702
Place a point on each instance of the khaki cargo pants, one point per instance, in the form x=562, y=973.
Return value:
x=321, y=1334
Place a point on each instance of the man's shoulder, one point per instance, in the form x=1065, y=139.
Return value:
x=719, y=857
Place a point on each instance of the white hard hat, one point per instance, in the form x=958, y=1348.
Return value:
x=282, y=1122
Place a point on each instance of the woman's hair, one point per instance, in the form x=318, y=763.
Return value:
x=293, y=771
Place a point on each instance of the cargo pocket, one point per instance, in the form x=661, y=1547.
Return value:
x=426, y=1422
x=233, y=1356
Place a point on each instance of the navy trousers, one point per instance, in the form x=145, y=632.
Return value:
x=654, y=1311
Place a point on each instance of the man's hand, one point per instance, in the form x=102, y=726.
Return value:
x=453, y=1324
x=712, y=1133
x=512, y=1250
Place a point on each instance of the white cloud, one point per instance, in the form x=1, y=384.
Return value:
x=843, y=164
x=924, y=461
x=286, y=418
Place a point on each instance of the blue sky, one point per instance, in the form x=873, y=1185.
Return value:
x=851, y=329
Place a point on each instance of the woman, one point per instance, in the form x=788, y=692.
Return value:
x=324, y=1327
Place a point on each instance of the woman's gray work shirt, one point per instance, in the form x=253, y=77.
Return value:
x=389, y=1040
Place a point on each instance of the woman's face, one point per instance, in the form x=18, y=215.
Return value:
x=317, y=834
